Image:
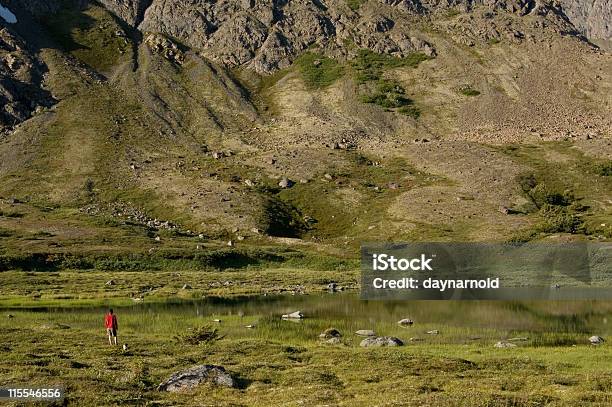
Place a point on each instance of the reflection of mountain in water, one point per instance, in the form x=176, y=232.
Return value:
x=7, y=15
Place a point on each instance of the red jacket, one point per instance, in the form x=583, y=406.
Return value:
x=110, y=321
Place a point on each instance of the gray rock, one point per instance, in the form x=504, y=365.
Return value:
x=365, y=332
x=186, y=287
x=504, y=344
x=294, y=315
x=188, y=379
x=596, y=340
x=379, y=341
x=333, y=341
x=405, y=322
x=286, y=183
x=110, y=282
x=330, y=333
x=433, y=332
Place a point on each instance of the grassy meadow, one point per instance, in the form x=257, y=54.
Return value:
x=284, y=363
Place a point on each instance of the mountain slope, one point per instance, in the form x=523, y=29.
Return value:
x=310, y=124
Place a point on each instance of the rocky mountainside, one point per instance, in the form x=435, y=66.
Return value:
x=592, y=18
x=318, y=123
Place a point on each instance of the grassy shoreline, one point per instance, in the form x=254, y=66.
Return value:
x=89, y=288
x=284, y=363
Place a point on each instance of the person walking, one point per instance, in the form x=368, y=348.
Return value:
x=110, y=322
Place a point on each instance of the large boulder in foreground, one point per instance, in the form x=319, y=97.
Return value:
x=192, y=377
x=378, y=341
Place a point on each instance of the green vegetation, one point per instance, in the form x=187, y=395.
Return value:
x=318, y=71
x=355, y=4
x=467, y=90
x=558, y=196
x=173, y=259
x=370, y=66
x=90, y=35
x=604, y=169
x=203, y=335
x=390, y=95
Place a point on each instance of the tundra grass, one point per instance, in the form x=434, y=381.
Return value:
x=282, y=363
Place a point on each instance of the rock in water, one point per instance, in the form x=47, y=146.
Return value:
x=294, y=315
x=190, y=378
x=365, y=332
x=596, y=340
x=378, y=341
x=406, y=322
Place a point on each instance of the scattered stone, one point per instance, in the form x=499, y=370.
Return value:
x=294, y=315
x=110, y=282
x=504, y=209
x=186, y=287
x=330, y=333
x=433, y=332
x=165, y=47
x=217, y=321
x=125, y=347
x=333, y=287
x=230, y=243
x=596, y=340
x=250, y=326
x=378, y=341
x=157, y=239
x=249, y=183
x=190, y=378
x=10, y=316
x=416, y=339
x=333, y=341
x=328, y=177
x=504, y=344
x=286, y=183
x=365, y=332
x=405, y=322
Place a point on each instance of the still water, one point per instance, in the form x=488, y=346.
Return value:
x=544, y=322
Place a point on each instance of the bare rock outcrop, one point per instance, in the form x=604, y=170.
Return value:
x=21, y=77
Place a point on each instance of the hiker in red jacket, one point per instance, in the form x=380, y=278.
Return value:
x=110, y=322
